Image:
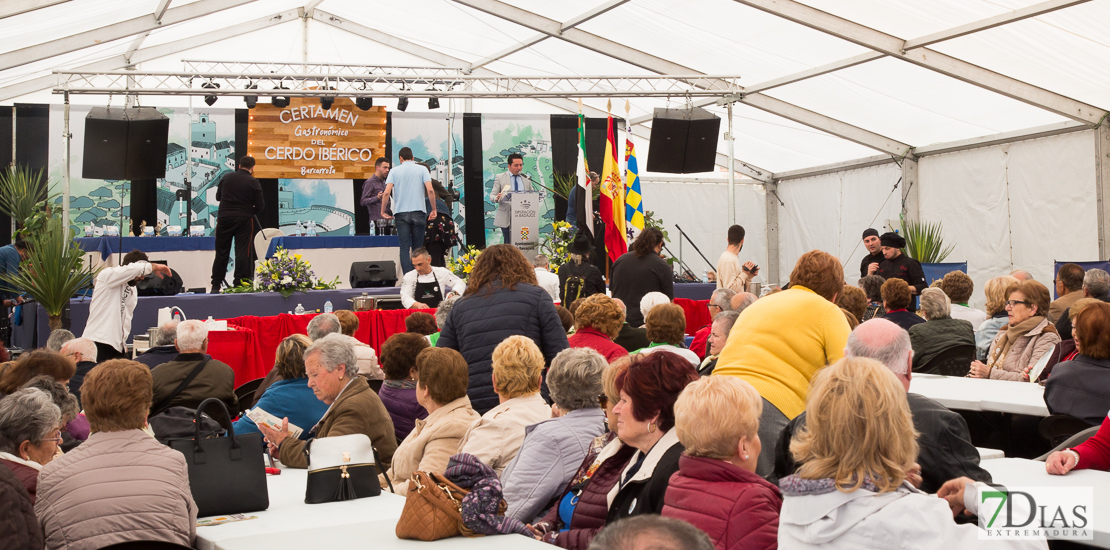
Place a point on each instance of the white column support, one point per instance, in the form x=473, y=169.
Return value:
x=729, y=139
x=1102, y=186
x=929, y=59
x=115, y=31
x=65, y=172
x=911, y=191
x=772, y=203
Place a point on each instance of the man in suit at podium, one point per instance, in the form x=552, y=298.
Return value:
x=504, y=184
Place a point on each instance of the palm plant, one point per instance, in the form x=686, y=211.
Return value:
x=21, y=192
x=53, y=272
x=925, y=242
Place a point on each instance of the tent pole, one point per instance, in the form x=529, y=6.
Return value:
x=65, y=173
x=731, y=171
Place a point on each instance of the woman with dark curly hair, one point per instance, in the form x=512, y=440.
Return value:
x=599, y=320
x=640, y=271
x=502, y=299
x=421, y=323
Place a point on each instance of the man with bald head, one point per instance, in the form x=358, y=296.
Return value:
x=946, y=451
x=1021, y=275
x=742, y=300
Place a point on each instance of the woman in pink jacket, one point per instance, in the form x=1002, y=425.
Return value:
x=716, y=488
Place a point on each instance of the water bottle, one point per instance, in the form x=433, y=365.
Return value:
x=297, y=229
x=327, y=306
x=299, y=310
x=351, y=228
x=311, y=228
x=209, y=323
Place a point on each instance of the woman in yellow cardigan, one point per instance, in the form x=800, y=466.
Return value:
x=780, y=342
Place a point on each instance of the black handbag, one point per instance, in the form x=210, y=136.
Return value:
x=226, y=474
x=341, y=468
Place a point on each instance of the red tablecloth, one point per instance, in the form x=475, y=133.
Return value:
x=240, y=350
x=373, y=328
x=697, y=314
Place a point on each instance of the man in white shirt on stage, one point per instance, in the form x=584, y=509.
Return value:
x=547, y=280
x=504, y=184
x=730, y=274
x=426, y=286
x=113, y=303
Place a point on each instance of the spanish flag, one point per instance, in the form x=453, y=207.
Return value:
x=633, y=202
x=612, y=198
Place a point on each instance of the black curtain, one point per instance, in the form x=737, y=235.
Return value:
x=362, y=216
x=269, y=216
x=144, y=204
x=474, y=180
x=564, y=153
x=6, y=117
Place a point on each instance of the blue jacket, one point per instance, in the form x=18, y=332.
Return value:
x=287, y=398
x=480, y=321
x=9, y=264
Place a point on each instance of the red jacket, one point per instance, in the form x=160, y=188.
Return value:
x=589, y=337
x=591, y=512
x=26, y=475
x=735, y=507
x=1094, y=453
x=700, y=344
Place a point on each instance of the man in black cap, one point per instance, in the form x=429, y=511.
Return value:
x=578, y=278
x=898, y=265
x=874, y=257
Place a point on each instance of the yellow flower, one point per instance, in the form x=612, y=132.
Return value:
x=297, y=256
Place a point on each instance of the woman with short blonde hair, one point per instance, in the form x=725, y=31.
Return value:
x=716, y=488
x=856, y=451
x=495, y=440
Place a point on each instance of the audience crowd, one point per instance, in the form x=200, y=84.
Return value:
x=787, y=421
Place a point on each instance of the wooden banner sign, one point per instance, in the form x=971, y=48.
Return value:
x=304, y=140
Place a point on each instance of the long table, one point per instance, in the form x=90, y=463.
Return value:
x=289, y=523
x=217, y=306
x=190, y=257
x=1019, y=472
x=976, y=394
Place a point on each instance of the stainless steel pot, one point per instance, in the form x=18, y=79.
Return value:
x=365, y=302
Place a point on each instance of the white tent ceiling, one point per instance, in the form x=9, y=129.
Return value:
x=885, y=101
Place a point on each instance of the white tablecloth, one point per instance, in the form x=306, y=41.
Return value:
x=1019, y=472
x=363, y=523
x=975, y=394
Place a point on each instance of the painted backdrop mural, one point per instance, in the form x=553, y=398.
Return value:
x=529, y=135
x=427, y=134
x=210, y=137
x=328, y=203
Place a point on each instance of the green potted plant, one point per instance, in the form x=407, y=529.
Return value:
x=925, y=241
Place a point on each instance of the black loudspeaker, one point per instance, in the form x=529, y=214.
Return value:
x=153, y=285
x=125, y=144
x=683, y=141
x=373, y=274
x=105, y=144
x=147, y=137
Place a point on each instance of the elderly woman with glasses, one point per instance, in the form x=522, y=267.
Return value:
x=29, y=434
x=1025, y=340
x=354, y=408
x=554, y=448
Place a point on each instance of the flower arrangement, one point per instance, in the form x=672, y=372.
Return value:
x=556, y=244
x=285, y=273
x=463, y=264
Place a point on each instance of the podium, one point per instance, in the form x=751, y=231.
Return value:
x=525, y=225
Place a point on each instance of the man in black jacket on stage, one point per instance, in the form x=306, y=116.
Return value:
x=240, y=197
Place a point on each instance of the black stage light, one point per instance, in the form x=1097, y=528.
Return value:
x=433, y=102
x=402, y=103
x=364, y=103
x=326, y=102
x=209, y=99
x=251, y=100
x=280, y=101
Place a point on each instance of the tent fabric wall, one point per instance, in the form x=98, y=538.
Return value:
x=830, y=211
x=1014, y=206
x=702, y=211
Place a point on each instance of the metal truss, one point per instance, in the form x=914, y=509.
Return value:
x=349, y=83
x=321, y=69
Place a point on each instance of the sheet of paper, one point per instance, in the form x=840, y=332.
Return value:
x=262, y=417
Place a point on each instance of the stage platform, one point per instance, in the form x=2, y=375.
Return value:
x=218, y=306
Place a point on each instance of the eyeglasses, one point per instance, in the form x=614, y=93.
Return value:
x=57, y=437
x=1012, y=303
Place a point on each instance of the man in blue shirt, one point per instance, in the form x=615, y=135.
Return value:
x=413, y=183
x=10, y=256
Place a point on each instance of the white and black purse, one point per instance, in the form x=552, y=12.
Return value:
x=341, y=468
